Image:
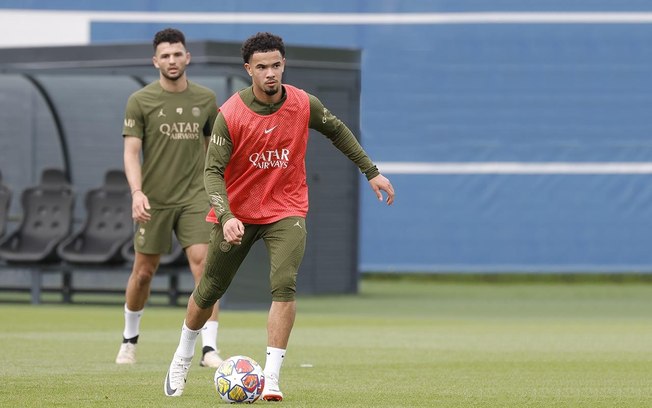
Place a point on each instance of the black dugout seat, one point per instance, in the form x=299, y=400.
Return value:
x=107, y=227
x=47, y=220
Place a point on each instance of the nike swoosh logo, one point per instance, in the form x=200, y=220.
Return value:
x=168, y=389
x=267, y=131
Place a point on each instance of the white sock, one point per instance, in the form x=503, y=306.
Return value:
x=132, y=323
x=186, y=348
x=274, y=361
x=209, y=334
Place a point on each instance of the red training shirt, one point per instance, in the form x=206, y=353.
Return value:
x=266, y=174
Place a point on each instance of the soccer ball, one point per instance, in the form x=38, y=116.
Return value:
x=239, y=379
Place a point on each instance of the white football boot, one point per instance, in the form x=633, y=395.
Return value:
x=126, y=354
x=271, y=392
x=211, y=359
x=175, y=379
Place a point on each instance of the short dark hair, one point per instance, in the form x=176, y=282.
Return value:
x=170, y=35
x=262, y=42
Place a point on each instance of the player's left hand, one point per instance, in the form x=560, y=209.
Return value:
x=379, y=184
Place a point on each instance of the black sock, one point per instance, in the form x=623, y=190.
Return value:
x=133, y=340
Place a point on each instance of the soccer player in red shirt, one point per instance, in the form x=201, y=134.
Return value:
x=255, y=177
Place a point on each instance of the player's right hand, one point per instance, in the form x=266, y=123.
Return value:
x=233, y=231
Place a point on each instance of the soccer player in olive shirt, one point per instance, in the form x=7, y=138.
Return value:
x=256, y=179
x=168, y=121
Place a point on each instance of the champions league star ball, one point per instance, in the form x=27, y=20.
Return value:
x=239, y=379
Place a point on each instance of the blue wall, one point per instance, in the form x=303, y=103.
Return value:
x=465, y=93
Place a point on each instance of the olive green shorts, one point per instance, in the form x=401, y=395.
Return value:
x=286, y=243
x=187, y=222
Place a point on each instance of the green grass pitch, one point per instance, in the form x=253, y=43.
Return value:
x=400, y=343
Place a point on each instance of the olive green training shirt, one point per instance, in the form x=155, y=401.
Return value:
x=172, y=127
x=321, y=120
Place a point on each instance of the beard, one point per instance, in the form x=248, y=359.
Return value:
x=272, y=91
x=175, y=77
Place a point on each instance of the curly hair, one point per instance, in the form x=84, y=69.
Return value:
x=170, y=35
x=262, y=42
